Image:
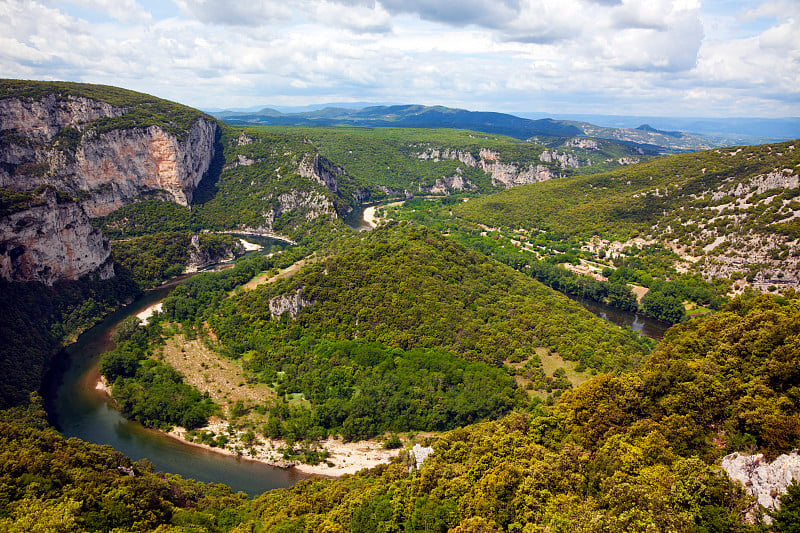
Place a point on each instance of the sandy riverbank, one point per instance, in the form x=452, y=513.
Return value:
x=346, y=457
x=370, y=217
x=146, y=313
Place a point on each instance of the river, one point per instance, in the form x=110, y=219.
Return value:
x=78, y=409
x=647, y=326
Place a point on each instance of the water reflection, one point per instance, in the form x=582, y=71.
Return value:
x=647, y=326
x=78, y=409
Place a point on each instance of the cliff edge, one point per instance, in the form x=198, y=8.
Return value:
x=102, y=147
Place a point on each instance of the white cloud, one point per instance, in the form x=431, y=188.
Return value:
x=238, y=12
x=557, y=55
x=128, y=11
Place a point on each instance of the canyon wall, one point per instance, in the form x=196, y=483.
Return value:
x=73, y=144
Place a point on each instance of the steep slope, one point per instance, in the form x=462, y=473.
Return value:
x=407, y=286
x=100, y=148
x=731, y=211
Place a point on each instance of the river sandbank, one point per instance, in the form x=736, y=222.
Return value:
x=370, y=215
x=345, y=457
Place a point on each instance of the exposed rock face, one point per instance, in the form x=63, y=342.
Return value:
x=40, y=120
x=766, y=481
x=199, y=258
x=321, y=170
x=292, y=303
x=785, y=179
x=507, y=174
x=455, y=182
x=113, y=167
x=50, y=141
x=52, y=242
x=566, y=160
x=587, y=144
x=419, y=453
x=510, y=176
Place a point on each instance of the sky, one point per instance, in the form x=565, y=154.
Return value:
x=701, y=58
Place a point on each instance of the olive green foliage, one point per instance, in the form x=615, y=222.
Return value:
x=406, y=286
x=389, y=157
x=49, y=483
x=36, y=319
x=149, y=391
x=664, y=192
x=634, y=452
x=152, y=259
x=14, y=201
x=146, y=217
x=245, y=193
x=360, y=389
x=541, y=255
x=143, y=110
x=786, y=519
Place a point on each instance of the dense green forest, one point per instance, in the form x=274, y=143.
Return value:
x=36, y=321
x=403, y=330
x=542, y=255
x=407, y=286
x=152, y=259
x=632, y=452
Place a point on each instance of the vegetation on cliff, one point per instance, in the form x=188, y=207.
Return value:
x=152, y=259
x=639, y=199
x=141, y=110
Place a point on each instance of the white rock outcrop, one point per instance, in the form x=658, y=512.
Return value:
x=419, y=454
x=764, y=480
x=565, y=159
x=507, y=174
x=292, y=303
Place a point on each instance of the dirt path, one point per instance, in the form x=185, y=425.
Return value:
x=265, y=277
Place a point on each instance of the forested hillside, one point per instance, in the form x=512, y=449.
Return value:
x=396, y=331
x=435, y=328
x=724, y=212
x=634, y=452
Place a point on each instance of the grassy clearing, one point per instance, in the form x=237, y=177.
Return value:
x=552, y=361
x=271, y=276
x=222, y=378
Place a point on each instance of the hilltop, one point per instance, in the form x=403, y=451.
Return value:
x=723, y=212
x=419, y=116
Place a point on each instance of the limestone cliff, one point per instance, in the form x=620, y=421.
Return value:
x=57, y=141
x=105, y=156
x=764, y=480
x=502, y=173
x=50, y=242
x=292, y=303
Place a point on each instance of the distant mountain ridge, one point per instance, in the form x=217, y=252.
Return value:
x=420, y=116
x=412, y=116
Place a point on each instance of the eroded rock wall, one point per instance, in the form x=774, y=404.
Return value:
x=54, y=141
x=52, y=242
